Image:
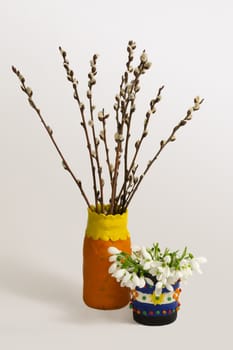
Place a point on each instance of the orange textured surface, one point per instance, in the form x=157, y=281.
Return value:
x=100, y=290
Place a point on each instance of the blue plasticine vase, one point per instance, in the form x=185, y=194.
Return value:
x=155, y=310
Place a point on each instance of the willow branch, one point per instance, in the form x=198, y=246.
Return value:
x=163, y=144
x=121, y=105
x=138, y=143
x=103, y=136
x=73, y=80
x=91, y=82
x=27, y=90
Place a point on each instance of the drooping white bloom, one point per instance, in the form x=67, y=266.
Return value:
x=113, y=268
x=167, y=259
x=158, y=288
x=136, y=248
x=142, y=282
x=112, y=258
x=147, y=265
x=149, y=281
x=113, y=250
x=135, y=279
x=145, y=253
x=125, y=279
x=196, y=266
x=169, y=287
x=154, y=267
x=119, y=273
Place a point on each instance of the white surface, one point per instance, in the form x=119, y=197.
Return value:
x=186, y=198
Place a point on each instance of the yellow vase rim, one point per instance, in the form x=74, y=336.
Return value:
x=107, y=227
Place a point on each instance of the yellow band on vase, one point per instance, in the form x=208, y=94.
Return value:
x=107, y=227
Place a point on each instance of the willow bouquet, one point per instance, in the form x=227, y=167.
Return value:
x=123, y=175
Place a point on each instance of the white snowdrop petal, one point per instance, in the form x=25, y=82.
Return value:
x=149, y=281
x=112, y=268
x=113, y=250
x=119, y=273
x=147, y=265
x=158, y=291
x=130, y=284
x=112, y=258
x=135, y=280
x=141, y=282
x=167, y=259
x=126, y=277
x=158, y=285
x=136, y=248
x=201, y=260
x=145, y=253
x=169, y=287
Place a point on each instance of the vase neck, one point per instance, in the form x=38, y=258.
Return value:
x=107, y=227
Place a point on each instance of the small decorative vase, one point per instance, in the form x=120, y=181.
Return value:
x=100, y=290
x=152, y=310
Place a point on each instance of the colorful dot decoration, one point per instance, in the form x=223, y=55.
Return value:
x=155, y=313
x=176, y=294
x=146, y=303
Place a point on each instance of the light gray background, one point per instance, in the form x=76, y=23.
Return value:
x=186, y=199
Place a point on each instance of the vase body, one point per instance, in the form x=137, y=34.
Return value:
x=152, y=310
x=100, y=289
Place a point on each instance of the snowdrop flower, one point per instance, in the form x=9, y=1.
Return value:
x=113, y=258
x=125, y=279
x=119, y=273
x=113, y=268
x=154, y=267
x=144, y=265
x=186, y=273
x=113, y=250
x=167, y=259
x=145, y=253
x=142, y=282
x=158, y=288
x=149, y=281
x=165, y=271
x=169, y=287
x=195, y=264
x=135, y=279
x=130, y=284
x=201, y=259
x=172, y=279
x=177, y=275
x=136, y=248
x=147, y=265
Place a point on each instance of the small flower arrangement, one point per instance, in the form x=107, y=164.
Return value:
x=153, y=267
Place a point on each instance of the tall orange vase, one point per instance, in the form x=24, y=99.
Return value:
x=100, y=290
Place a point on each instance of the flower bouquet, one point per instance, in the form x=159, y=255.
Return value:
x=154, y=277
x=115, y=173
